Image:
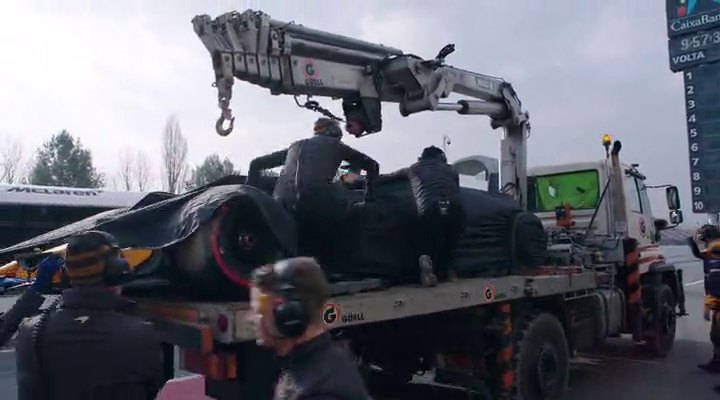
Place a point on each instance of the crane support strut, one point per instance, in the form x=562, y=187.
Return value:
x=290, y=59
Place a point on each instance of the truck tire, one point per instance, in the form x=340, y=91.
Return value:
x=660, y=328
x=542, y=358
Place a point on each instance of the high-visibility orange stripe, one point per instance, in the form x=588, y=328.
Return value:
x=505, y=354
x=632, y=257
x=508, y=379
x=633, y=278
x=175, y=312
x=214, y=366
x=507, y=328
x=652, y=258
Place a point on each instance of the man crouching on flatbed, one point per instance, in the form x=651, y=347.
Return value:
x=436, y=187
x=287, y=300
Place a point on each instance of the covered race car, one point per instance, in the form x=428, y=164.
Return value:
x=206, y=242
x=201, y=243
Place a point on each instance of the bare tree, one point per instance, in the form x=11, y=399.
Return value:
x=174, y=156
x=125, y=173
x=12, y=165
x=142, y=171
x=112, y=183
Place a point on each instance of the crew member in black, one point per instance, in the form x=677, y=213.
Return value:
x=305, y=185
x=29, y=303
x=84, y=347
x=436, y=187
x=288, y=299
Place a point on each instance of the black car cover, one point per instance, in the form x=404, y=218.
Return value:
x=159, y=221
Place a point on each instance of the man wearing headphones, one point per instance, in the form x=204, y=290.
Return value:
x=287, y=300
x=84, y=346
x=305, y=185
x=436, y=187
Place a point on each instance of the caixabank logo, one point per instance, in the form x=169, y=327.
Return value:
x=688, y=16
x=685, y=7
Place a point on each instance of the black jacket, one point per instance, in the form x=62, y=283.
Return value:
x=88, y=349
x=319, y=370
x=309, y=164
x=431, y=181
x=27, y=305
x=711, y=265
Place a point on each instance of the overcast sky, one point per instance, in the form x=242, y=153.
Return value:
x=111, y=72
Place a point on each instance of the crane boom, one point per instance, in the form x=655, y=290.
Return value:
x=291, y=59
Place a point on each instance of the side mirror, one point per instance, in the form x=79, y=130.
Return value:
x=672, y=196
x=661, y=224
x=676, y=217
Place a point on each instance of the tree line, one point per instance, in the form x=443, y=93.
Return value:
x=63, y=160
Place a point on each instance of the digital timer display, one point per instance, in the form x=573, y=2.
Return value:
x=694, y=49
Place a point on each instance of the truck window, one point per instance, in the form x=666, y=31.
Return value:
x=632, y=194
x=644, y=199
x=580, y=189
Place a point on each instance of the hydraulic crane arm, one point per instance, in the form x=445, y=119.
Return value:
x=291, y=59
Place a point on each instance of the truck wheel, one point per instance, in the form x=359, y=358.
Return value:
x=542, y=358
x=660, y=329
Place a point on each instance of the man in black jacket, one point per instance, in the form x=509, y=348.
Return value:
x=436, y=187
x=305, y=185
x=311, y=164
x=288, y=300
x=29, y=303
x=87, y=348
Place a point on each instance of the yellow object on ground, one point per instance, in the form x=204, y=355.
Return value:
x=20, y=269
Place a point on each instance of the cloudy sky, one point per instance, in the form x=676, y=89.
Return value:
x=111, y=72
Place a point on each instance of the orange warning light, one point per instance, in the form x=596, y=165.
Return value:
x=606, y=139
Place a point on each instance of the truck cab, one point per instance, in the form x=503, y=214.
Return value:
x=580, y=187
x=606, y=202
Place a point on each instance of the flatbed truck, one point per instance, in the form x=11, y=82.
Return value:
x=503, y=337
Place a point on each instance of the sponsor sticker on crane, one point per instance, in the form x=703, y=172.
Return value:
x=489, y=292
x=331, y=314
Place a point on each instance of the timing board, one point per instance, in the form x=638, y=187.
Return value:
x=693, y=28
x=702, y=104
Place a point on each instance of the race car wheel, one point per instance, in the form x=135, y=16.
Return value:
x=542, y=358
x=218, y=259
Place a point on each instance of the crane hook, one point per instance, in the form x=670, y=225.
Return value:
x=219, y=125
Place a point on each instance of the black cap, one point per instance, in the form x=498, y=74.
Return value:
x=328, y=127
x=85, y=257
x=433, y=152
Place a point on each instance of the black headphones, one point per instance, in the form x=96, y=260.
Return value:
x=116, y=267
x=291, y=316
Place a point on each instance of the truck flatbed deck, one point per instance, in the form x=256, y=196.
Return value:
x=364, y=302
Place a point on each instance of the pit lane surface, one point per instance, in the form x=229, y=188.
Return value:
x=619, y=372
